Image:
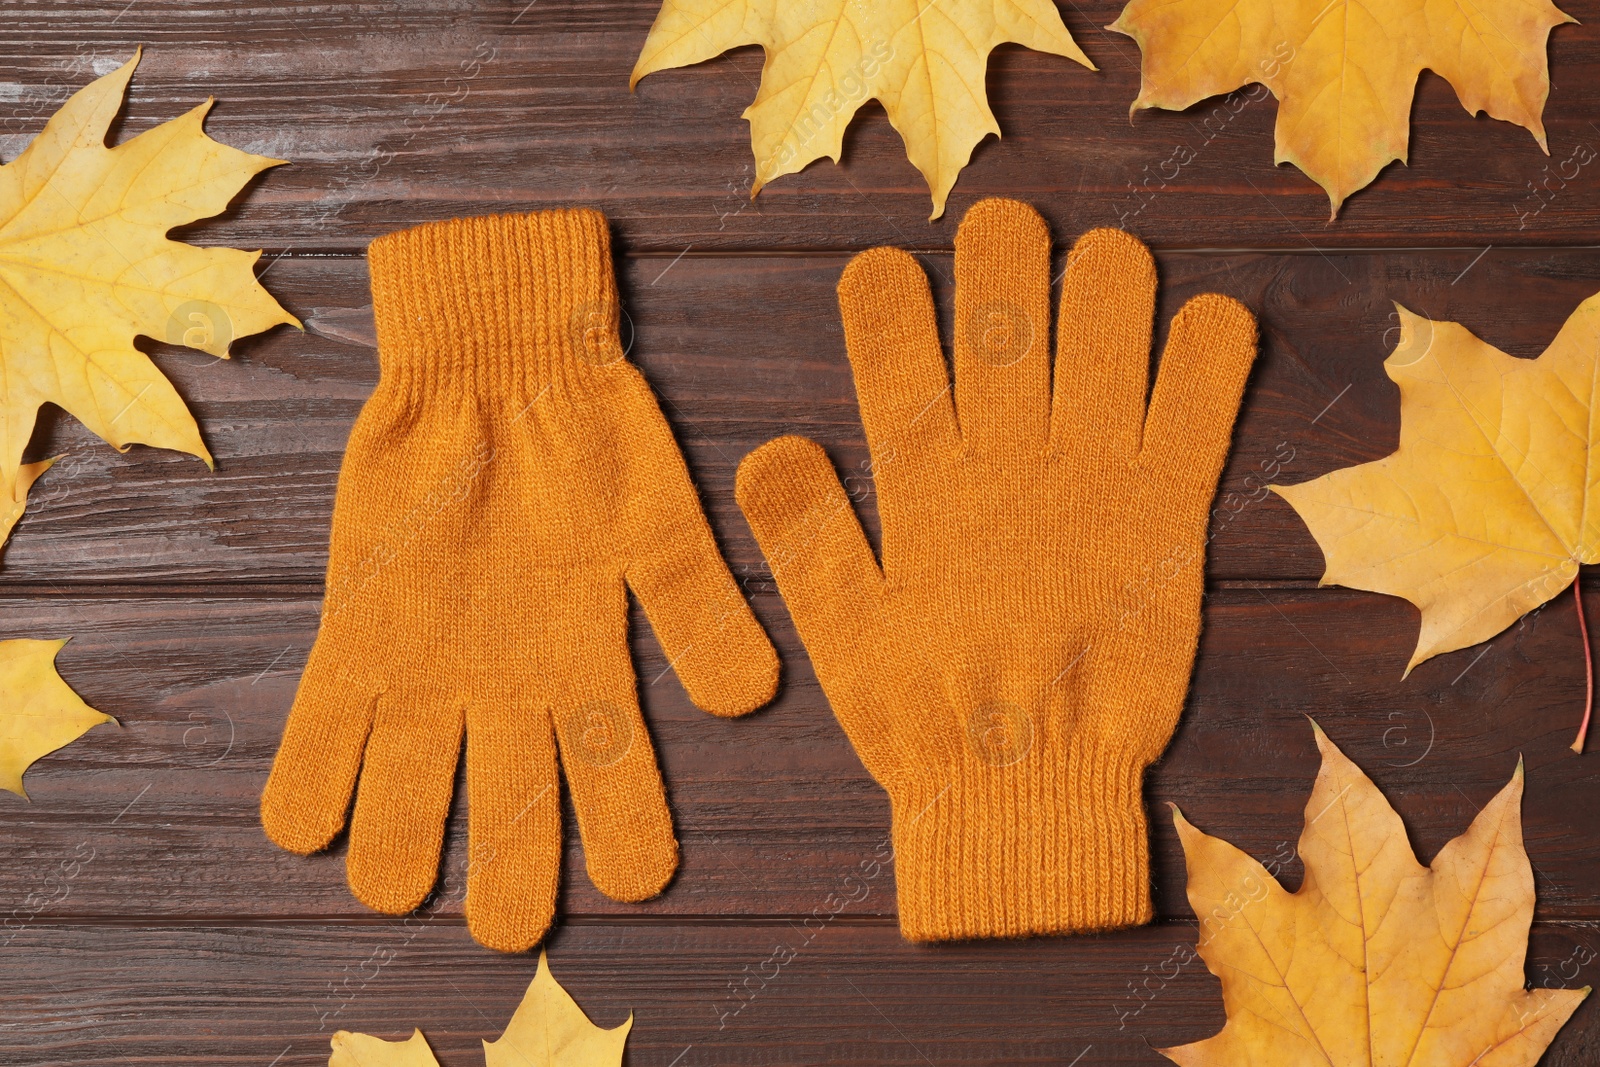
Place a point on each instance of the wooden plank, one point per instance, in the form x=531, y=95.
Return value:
x=144, y=918
x=396, y=114
x=831, y=992
x=741, y=349
x=773, y=811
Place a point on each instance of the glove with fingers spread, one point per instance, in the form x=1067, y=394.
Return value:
x=508, y=480
x=1024, y=650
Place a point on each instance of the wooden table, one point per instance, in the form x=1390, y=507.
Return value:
x=192, y=597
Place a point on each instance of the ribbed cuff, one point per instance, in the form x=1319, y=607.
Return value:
x=495, y=298
x=1040, y=846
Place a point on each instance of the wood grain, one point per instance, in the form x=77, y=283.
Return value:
x=395, y=113
x=770, y=361
x=844, y=993
x=144, y=918
x=774, y=810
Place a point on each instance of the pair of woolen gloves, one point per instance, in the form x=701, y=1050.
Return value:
x=1007, y=670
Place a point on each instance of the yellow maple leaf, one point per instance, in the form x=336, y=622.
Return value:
x=1344, y=72
x=39, y=712
x=85, y=266
x=548, y=1029
x=1375, y=958
x=923, y=60
x=361, y=1050
x=1491, y=501
x=12, y=507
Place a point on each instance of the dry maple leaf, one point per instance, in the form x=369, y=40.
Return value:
x=1344, y=72
x=1492, y=499
x=39, y=712
x=548, y=1029
x=85, y=266
x=1375, y=959
x=361, y=1050
x=923, y=60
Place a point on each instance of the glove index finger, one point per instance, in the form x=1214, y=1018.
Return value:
x=629, y=848
x=892, y=336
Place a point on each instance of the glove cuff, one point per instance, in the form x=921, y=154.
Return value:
x=496, y=297
x=1049, y=844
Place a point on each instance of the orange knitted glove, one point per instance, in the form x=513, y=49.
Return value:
x=1023, y=653
x=508, y=476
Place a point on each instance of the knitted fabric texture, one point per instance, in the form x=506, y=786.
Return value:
x=509, y=479
x=1023, y=652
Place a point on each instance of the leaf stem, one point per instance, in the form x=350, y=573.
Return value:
x=1588, y=668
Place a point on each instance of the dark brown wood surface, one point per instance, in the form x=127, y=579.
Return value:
x=183, y=937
